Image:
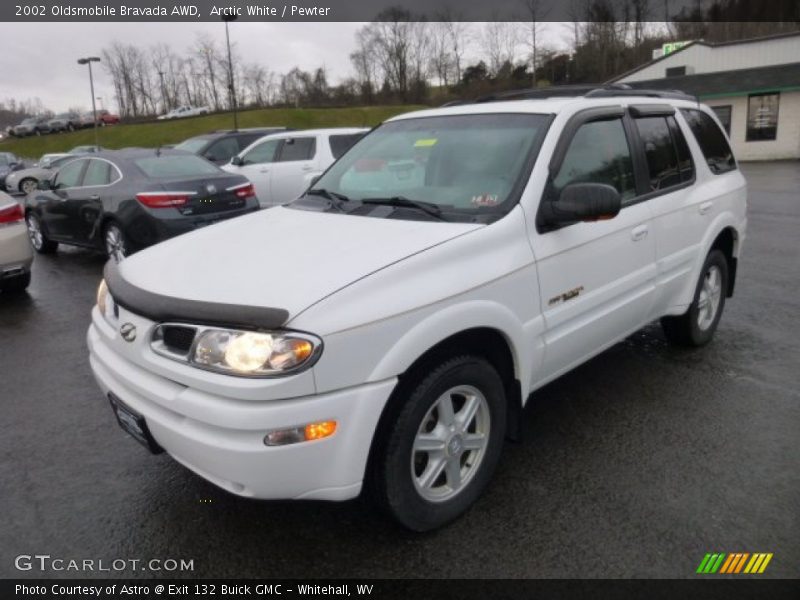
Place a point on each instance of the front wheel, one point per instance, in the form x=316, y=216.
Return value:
x=696, y=327
x=36, y=234
x=441, y=450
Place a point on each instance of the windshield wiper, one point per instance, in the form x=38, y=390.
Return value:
x=428, y=208
x=335, y=198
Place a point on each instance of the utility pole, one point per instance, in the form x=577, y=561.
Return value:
x=229, y=16
x=88, y=61
x=163, y=92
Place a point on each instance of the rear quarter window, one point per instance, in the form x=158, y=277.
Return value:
x=175, y=166
x=716, y=149
x=342, y=143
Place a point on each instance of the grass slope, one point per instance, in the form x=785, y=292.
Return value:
x=153, y=134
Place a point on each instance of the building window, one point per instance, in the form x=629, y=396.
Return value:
x=762, y=117
x=675, y=71
x=724, y=115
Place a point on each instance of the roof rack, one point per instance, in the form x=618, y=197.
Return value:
x=610, y=90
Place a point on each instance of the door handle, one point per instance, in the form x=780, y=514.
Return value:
x=307, y=167
x=263, y=170
x=94, y=197
x=705, y=207
x=639, y=233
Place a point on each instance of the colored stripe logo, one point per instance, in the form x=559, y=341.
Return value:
x=734, y=563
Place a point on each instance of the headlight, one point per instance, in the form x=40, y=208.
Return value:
x=102, y=295
x=254, y=353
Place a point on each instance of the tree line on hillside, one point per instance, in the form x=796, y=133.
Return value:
x=402, y=58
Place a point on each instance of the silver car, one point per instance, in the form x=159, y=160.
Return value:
x=16, y=254
x=27, y=180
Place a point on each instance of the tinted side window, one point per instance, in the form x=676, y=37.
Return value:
x=342, y=143
x=685, y=162
x=662, y=160
x=297, y=149
x=598, y=153
x=222, y=150
x=711, y=140
x=97, y=173
x=70, y=175
x=263, y=153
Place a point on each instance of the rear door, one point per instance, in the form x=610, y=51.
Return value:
x=293, y=168
x=675, y=200
x=85, y=205
x=596, y=279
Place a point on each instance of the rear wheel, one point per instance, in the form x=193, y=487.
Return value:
x=115, y=243
x=17, y=284
x=696, y=327
x=28, y=185
x=439, y=452
x=36, y=234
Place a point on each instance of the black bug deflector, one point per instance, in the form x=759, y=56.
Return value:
x=169, y=308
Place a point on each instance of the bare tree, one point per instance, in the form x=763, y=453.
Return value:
x=500, y=42
x=535, y=11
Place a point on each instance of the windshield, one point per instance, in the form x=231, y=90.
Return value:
x=465, y=165
x=193, y=145
x=28, y=122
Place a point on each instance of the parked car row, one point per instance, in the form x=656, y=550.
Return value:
x=121, y=201
x=68, y=121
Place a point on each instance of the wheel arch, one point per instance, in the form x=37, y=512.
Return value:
x=727, y=241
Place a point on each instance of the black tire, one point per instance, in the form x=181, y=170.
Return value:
x=397, y=471
x=120, y=249
x=41, y=243
x=695, y=327
x=16, y=285
x=27, y=180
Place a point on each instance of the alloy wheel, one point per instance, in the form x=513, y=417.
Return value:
x=450, y=443
x=709, y=297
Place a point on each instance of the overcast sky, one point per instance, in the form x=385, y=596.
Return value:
x=39, y=59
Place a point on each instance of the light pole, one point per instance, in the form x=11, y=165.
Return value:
x=88, y=61
x=229, y=16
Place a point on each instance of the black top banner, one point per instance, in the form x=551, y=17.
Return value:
x=399, y=10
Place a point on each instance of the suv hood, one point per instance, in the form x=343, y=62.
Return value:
x=280, y=258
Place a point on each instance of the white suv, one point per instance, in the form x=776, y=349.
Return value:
x=385, y=329
x=281, y=166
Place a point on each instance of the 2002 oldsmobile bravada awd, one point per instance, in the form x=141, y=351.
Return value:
x=384, y=329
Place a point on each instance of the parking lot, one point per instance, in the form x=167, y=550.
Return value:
x=634, y=465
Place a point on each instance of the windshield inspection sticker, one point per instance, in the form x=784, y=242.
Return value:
x=484, y=200
x=425, y=143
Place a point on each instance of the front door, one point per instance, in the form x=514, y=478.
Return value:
x=292, y=170
x=596, y=278
x=257, y=165
x=56, y=209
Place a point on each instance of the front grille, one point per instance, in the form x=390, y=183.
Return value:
x=178, y=338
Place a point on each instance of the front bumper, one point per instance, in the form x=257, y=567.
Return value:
x=221, y=438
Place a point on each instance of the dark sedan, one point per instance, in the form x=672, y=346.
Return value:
x=219, y=147
x=125, y=200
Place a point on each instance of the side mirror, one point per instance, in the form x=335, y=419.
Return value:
x=44, y=184
x=583, y=202
x=237, y=161
x=314, y=180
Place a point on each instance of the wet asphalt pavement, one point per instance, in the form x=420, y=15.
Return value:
x=634, y=465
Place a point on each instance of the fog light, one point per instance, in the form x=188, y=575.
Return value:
x=303, y=433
